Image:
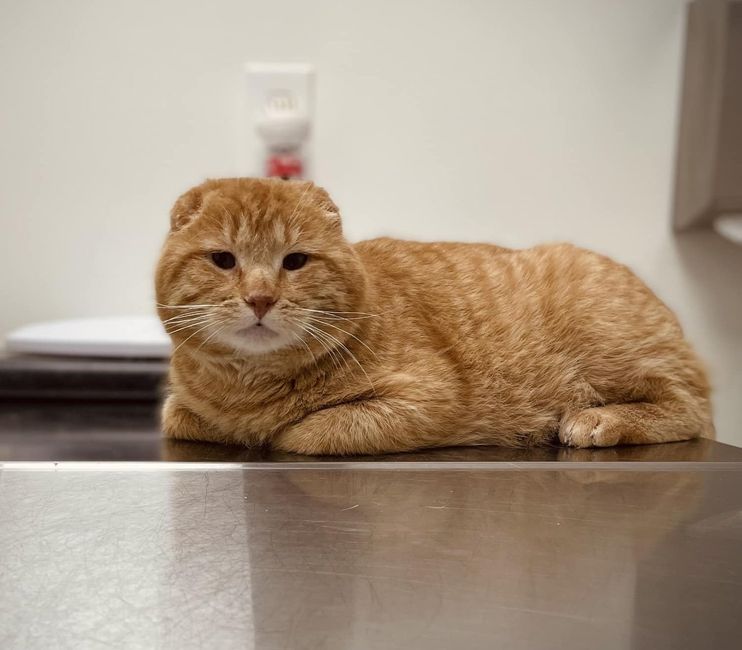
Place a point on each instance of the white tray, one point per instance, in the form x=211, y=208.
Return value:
x=119, y=336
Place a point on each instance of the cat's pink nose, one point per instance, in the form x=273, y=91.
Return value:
x=260, y=304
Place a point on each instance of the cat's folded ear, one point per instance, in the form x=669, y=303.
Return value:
x=186, y=208
x=323, y=200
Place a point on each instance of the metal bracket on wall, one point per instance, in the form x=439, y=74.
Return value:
x=708, y=178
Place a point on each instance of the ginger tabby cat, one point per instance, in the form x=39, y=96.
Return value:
x=286, y=335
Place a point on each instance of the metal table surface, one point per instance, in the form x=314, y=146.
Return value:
x=468, y=548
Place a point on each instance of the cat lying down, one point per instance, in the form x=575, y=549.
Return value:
x=285, y=334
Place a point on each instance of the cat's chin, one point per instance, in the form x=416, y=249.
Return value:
x=258, y=339
x=258, y=332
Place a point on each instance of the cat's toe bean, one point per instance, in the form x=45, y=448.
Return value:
x=589, y=428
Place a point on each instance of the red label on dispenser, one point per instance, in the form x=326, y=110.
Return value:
x=284, y=166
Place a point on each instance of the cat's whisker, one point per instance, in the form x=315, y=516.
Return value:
x=186, y=310
x=331, y=353
x=315, y=319
x=335, y=343
x=335, y=311
x=186, y=317
x=337, y=318
x=322, y=345
x=195, y=310
x=337, y=359
x=184, y=321
x=192, y=310
x=354, y=315
x=188, y=306
x=180, y=326
x=188, y=321
x=223, y=323
x=306, y=345
x=201, y=329
x=185, y=327
x=342, y=346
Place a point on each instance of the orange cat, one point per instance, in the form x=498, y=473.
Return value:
x=286, y=334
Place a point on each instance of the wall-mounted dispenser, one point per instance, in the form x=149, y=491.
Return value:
x=280, y=109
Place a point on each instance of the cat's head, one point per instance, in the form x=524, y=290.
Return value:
x=251, y=266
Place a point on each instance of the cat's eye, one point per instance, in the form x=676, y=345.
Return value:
x=223, y=259
x=294, y=261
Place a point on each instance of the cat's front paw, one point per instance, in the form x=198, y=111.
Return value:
x=299, y=440
x=180, y=423
x=592, y=427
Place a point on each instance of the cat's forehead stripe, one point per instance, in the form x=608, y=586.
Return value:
x=256, y=220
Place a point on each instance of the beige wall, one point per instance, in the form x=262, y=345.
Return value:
x=515, y=122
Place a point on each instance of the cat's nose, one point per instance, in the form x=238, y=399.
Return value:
x=260, y=304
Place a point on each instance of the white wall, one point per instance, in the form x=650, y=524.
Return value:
x=515, y=122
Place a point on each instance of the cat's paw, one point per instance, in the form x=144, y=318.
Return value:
x=177, y=422
x=298, y=440
x=593, y=427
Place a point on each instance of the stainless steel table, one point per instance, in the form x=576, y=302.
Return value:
x=633, y=547
x=371, y=555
